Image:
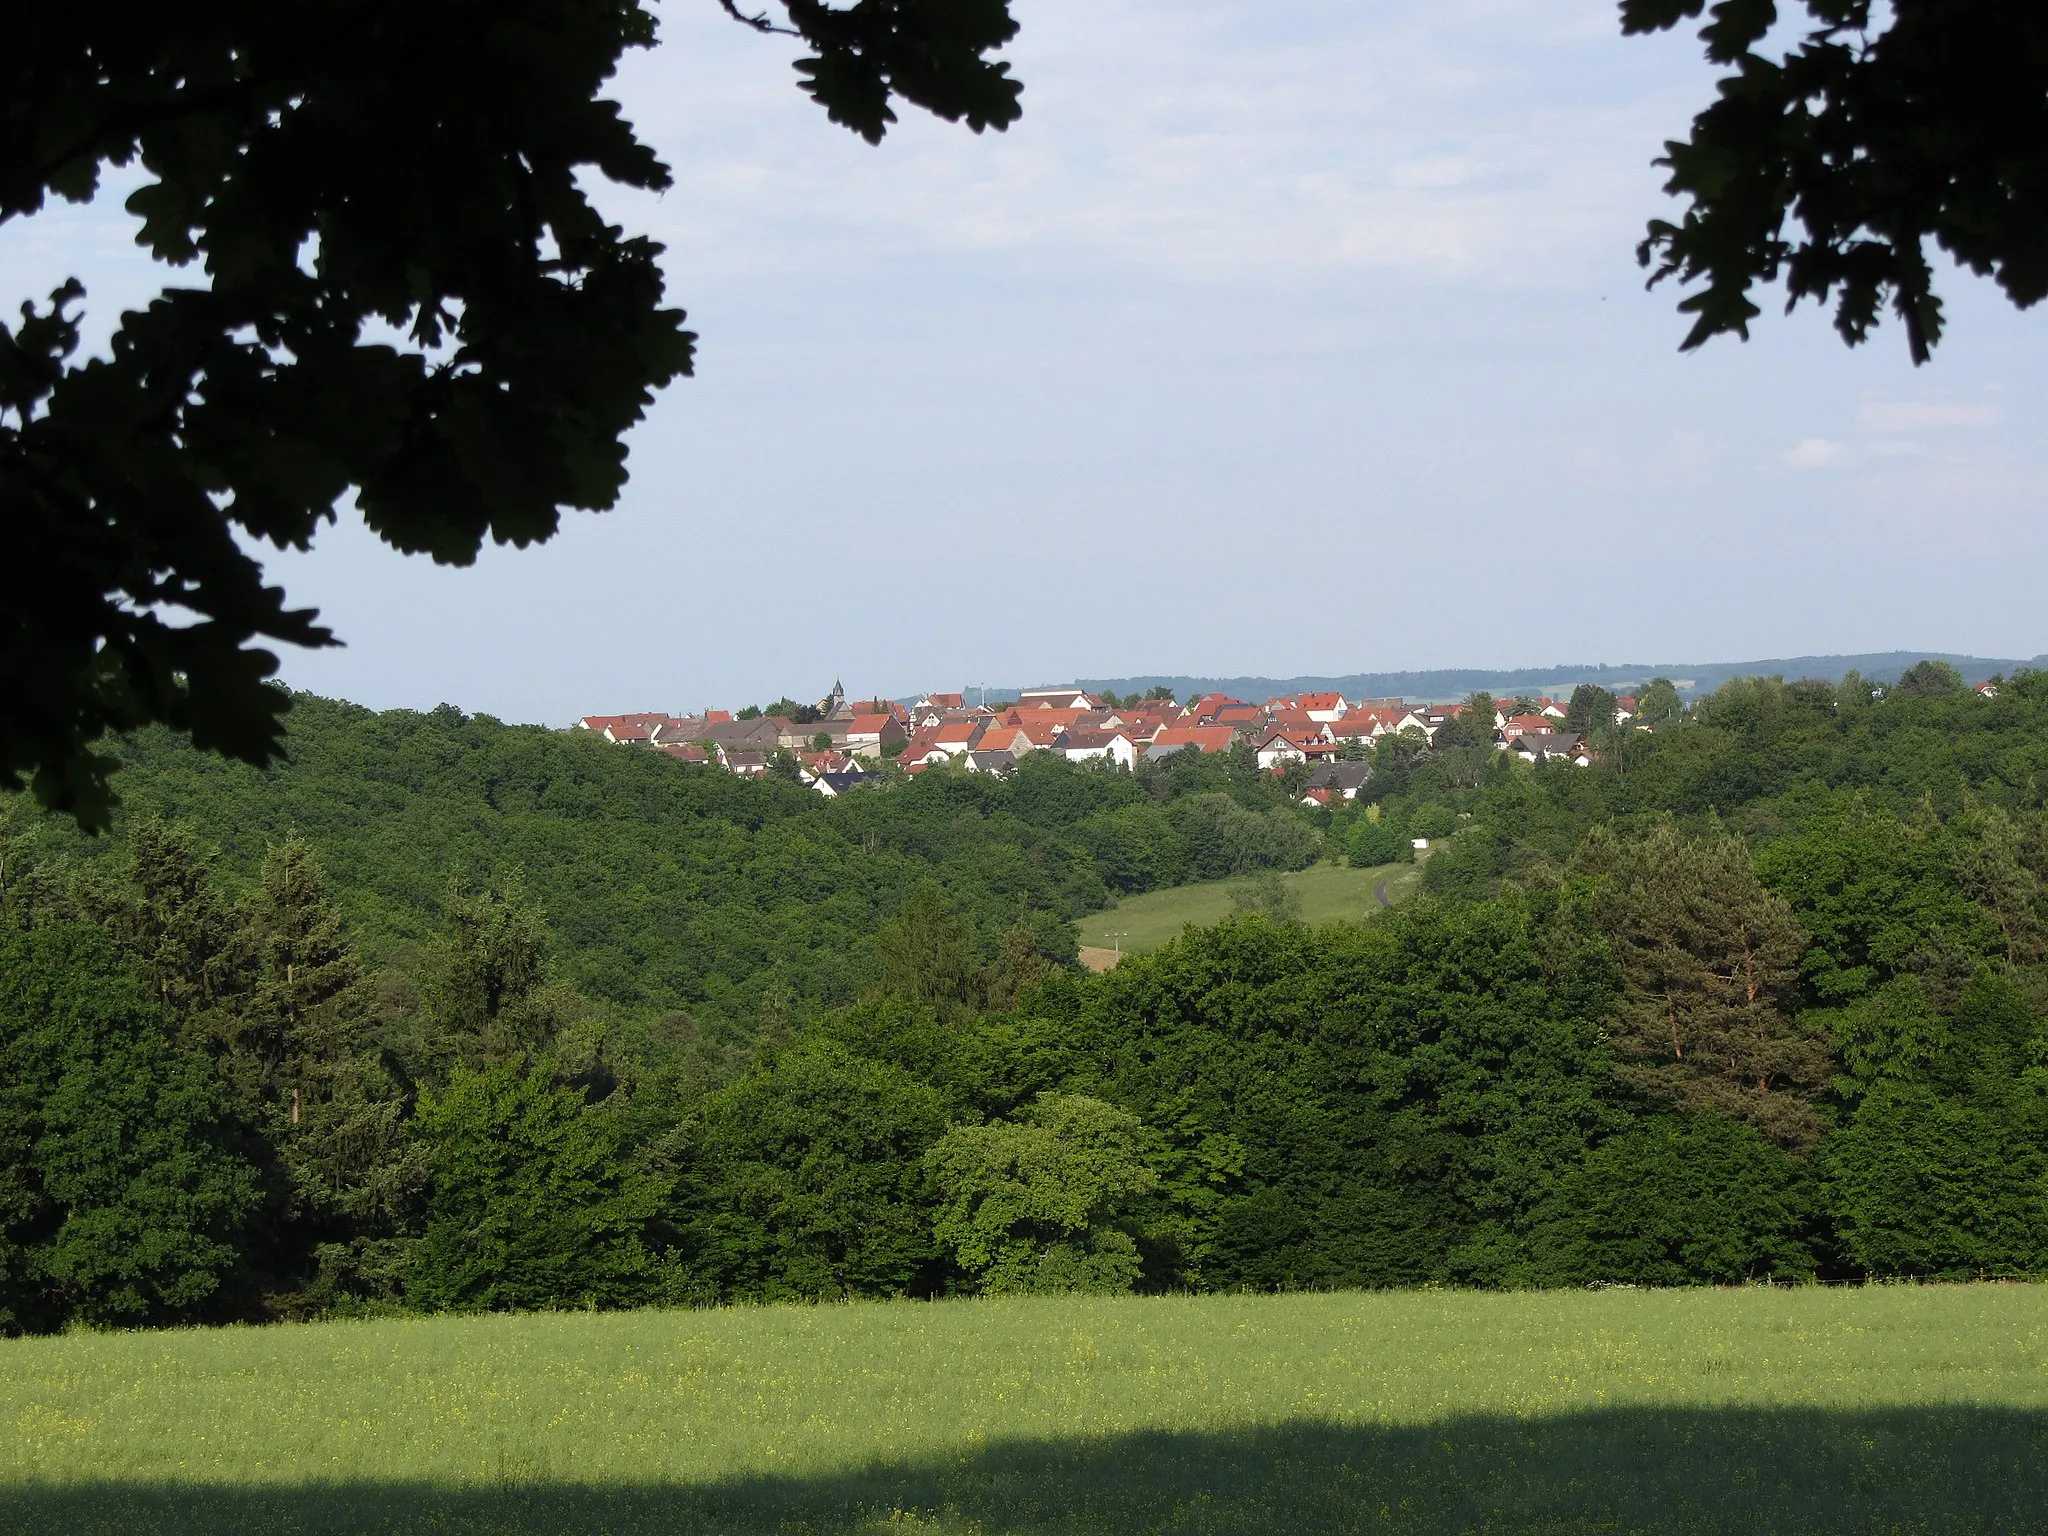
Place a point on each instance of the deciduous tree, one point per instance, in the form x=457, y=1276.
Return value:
x=1833, y=165
x=403, y=291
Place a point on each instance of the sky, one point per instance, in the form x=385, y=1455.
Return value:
x=1271, y=341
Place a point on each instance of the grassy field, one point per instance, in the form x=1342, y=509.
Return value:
x=1327, y=892
x=1880, y=1410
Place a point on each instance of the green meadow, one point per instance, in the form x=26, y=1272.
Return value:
x=1888, y=1409
x=1327, y=893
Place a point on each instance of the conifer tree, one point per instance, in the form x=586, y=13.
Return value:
x=170, y=916
x=1709, y=960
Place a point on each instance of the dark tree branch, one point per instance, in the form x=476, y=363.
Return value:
x=759, y=23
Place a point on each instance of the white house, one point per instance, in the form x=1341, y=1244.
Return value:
x=1055, y=698
x=1079, y=745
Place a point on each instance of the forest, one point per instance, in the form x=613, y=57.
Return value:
x=442, y=1014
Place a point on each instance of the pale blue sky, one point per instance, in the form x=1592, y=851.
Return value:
x=1274, y=340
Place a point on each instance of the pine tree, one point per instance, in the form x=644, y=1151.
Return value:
x=169, y=915
x=302, y=1056
x=1709, y=960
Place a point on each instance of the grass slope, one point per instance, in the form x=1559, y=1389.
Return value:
x=1895, y=1409
x=1328, y=892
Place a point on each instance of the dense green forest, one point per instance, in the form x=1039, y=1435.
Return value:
x=669, y=885
x=445, y=1014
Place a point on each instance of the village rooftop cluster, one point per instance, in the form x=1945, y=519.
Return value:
x=840, y=742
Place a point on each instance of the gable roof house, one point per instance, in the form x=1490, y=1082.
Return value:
x=833, y=785
x=1011, y=740
x=941, y=743
x=1057, y=698
x=1343, y=780
x=1517, y=726
x=991, y=762
x=748, y=765
x=1542, y=746
x=1203, y=738
x=1323, y=707
x=868, y=733
x=1205, y=707
x=1278, y=748
x=1080, y=744
x=1040, y=720
x=762, y=734
x=810, y=764
x=638, y=729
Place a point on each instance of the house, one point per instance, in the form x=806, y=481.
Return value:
x=1057, y=698
x=1542, y=746
x=1369, y=722
x=1150, y=717
x=991, y=762
x=1342, y=780
x=1079, y=745
x=833, y=785
x=812, y=764
x=1278, y=749
x=862, y=731
x=748, y=765
x=685, y=752
x=1515, y=727
x=1323, y=707
x=867, y=733
x=1043, y=721
x=941, y=702
x=1203, y=738
x=1205, y=707
x=674, y=733
x=1010, y=740
x=638, y=729
x=1041, y=736
x=1625, y=707
x=1986, y=690
x=948, y=739
x=1246, y=717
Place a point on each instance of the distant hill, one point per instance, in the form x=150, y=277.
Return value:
x=1453, y=683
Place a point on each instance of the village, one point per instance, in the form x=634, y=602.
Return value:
x=840, y=743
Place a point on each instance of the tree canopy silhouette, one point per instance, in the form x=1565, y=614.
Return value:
x=1885, y=127
x=402, y=291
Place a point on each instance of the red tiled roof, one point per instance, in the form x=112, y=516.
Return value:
x=1205, y=738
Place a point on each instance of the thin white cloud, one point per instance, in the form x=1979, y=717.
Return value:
x=1887, y=417
x=1187, y=140
x=1816, y=453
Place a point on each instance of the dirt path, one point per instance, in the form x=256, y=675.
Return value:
x=1098, y=960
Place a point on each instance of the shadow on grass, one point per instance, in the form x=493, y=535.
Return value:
x=1738, y=1470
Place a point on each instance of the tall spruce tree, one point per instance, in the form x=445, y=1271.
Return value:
x=1709, y=960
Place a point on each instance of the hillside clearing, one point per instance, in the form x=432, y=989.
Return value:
x=1895, y=1408
x=1328, y=893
